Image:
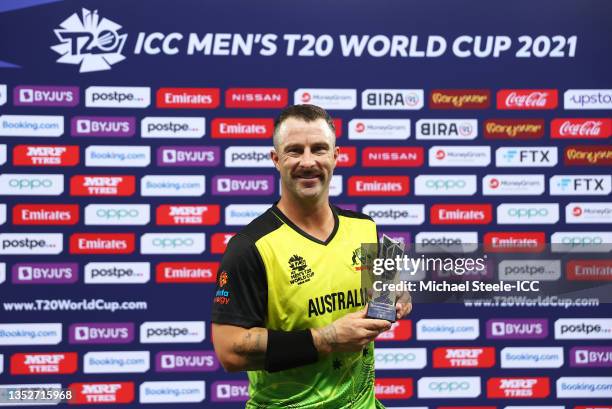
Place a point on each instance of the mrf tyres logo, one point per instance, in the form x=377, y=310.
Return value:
x=90, y=41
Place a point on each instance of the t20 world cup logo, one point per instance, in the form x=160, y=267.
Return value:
x=90, y=41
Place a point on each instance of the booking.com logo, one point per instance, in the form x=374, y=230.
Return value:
x=91, y=41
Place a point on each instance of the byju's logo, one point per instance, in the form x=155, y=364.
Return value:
x=92, y=42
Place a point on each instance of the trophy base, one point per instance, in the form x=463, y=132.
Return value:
x=381, y=311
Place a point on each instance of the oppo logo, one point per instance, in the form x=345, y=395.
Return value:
x=445, y=184
x=172, y=243
x=448, y=386
x=527, y=212
x=523, y=213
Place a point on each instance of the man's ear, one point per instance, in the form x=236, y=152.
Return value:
x=336, y=155
x=274, y=157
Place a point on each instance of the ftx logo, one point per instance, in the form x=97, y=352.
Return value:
x=90, y=41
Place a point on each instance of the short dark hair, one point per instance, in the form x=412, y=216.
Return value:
x=305, y=112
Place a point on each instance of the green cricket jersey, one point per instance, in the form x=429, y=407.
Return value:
x=277, y=276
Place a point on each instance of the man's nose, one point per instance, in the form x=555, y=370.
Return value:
x=308, y=159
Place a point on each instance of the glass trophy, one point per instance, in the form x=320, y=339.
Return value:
x=382, y=304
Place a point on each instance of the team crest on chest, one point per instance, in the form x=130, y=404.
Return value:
x=300, y=272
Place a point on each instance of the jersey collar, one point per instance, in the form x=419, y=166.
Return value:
x=288, y=222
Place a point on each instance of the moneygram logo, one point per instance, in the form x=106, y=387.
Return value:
x=465, y=357
x=187, y=272
x=116, y=214
x=31, y=243
x=101, y=392
x=108, y=126
x=393, y=388
x=272, y=98
x=449, y=387
x=378, y=185
x=243, y=214
x=230, y=391
x=445, y=185
x=587, y=99
x=588, y=212
x=31, y=334
x=186, y=361
x=396, y=215
x=243, y=185
x=513, y=185
x=117, y=273
x=116, y=362
x=45, y=214
x=45, y=273
x=117, y=156
x=461, y=214
x=459, y=156
x=532, y=270
x=580, y=185
x=188, y=156
x=242, y=128
x=392, y=156
x=173, y=127
x=537, y=156
x=514, y=128
x=343, y=99
x=528, y=213
x=400, y=358
x=581, y=128
x=527, y=99
x=532, y=357
x=591, y=357
x=45, y=155
x=117, y=97
x=156, y=332
x=379, y=129
x=193, y=215
x=517, y=328
x=583, y=328
x=523, y=388
x=173, y=185
x=447, y=329
x=588, y=156
x=196, y=98
x=447, y=129
x=392, y=99
x=460, y=99
x=102, y=185
x=248, y=157
x=172, y=243
x=43, y=363
x=400, y=330
x=90, y=41
x=101, y=333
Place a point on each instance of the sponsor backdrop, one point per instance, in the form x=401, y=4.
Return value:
x=134, y=143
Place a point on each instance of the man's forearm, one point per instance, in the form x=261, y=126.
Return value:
x=251, y=348
x=324, y=338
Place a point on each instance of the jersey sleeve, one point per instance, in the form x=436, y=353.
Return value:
x=241, y=294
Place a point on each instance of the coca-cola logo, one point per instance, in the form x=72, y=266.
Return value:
x=535, y=99
x=527, y=99
x=581, y=128
x=591, y=128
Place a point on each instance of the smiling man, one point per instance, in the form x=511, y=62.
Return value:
x=289, y=306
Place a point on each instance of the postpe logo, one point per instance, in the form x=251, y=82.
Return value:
x=90, y=41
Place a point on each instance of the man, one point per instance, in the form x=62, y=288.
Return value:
x=289, y=306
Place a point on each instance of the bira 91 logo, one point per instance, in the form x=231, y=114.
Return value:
x=90, y=41
x=523, y=99
x=45, y=155
x=514, y=242
x=378, y=185
x=581, y=128
x=102, y=185
x=271, y=98
x=520, y=388
x=464, y=357
x=393, y=388
x=43, y=363
x=460, y=99
x=599, y=155
x=242, y=128
x=197, y=98
x=401, y=330
x=514, y=128
x=101, y=392
x=102, y=243
x=461, y=214
x=45, y=214
x=392, y=99
x=194, y=215
x=186, y=272
x=392, y=156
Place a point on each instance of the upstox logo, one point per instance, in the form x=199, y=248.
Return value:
x=92, y=42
